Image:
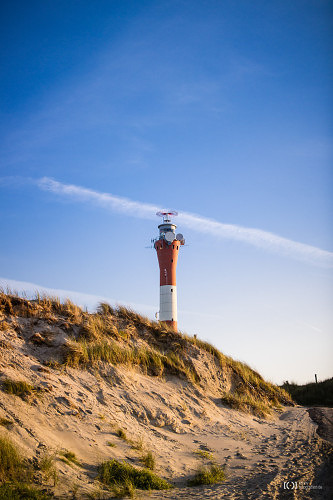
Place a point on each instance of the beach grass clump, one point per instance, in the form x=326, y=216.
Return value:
x=247, y=403
x=118, y=473
x=12, y=464
x=148, y=460
x=19, y=491
x=16, y=474
x=5, y=422
x=121, y=434
x=208, y=475
x=205, y=454
x=69, y=458
x=138, y=444
x=83, y=353
x=47, y=466
x=127, y=489
x=17, y=387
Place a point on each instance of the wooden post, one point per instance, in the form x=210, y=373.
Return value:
x=316, y=378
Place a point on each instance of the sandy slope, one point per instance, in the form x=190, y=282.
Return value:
x=81, y=410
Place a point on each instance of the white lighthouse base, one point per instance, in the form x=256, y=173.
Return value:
x=168, y=303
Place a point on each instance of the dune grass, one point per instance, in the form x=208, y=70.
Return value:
x=114, y=472
x=121, y=434
x=5, y=422
x=208, y=475
x=247, y=403
x=111, y=335
x=205, y=454
x=18, y=387
x=152, y=362
x=16, y=474
x=148, y=460
x=19, y=491
x=320, y=393
x=12, y=465
x=69, y=458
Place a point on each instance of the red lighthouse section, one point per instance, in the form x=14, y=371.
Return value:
x=167, y=255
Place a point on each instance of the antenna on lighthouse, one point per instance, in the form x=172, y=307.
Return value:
x=166, y=214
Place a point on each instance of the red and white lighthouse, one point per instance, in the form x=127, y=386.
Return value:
x=167, y=247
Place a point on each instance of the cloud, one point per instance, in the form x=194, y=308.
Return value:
x=252, y=236
x=83, y=299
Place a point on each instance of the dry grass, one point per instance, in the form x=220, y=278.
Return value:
x=121, y=473
x=18, y=387
x=69, y=458
x=112, y=335
x=208, y=475
x=152, y=362
x=148, y=460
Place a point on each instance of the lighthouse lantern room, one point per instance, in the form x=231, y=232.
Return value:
x=167, y=247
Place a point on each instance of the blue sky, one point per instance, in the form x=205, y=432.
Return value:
x=220, y=109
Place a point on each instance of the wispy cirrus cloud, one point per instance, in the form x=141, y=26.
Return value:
x=252, y=236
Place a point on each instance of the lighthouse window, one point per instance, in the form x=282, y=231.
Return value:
x=177, y=247
x=171, y=260
x=172, y=289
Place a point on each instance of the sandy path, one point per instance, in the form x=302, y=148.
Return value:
x=291, y=452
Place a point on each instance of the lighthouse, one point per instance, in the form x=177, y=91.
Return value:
x=167, y=246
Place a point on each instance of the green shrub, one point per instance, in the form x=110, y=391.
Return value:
x=312, y=393
x=113, y=472
x=208, y=475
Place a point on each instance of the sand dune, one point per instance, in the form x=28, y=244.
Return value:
x=181, y=423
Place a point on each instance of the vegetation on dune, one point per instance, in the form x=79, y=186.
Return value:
x=205, y=454
x=118, y=473
x=247, y=403
x=148, y=460
x=69, y=458
x=18, y=387
x=18, y=491
x=318, y=394
x=208, y=475
x=12, y=465
x=16, y=474
x=115, y=335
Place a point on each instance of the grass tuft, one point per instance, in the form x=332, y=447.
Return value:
x=148, y=460
x=69, y=458
x=208, y=475
x=5, y=422
x=18, y=387
x=113, y=472
x=205, y=454
x=19, y=491
x=12, y=465
x=121, y=434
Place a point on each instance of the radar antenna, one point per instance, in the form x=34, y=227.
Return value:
x=166, y=214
